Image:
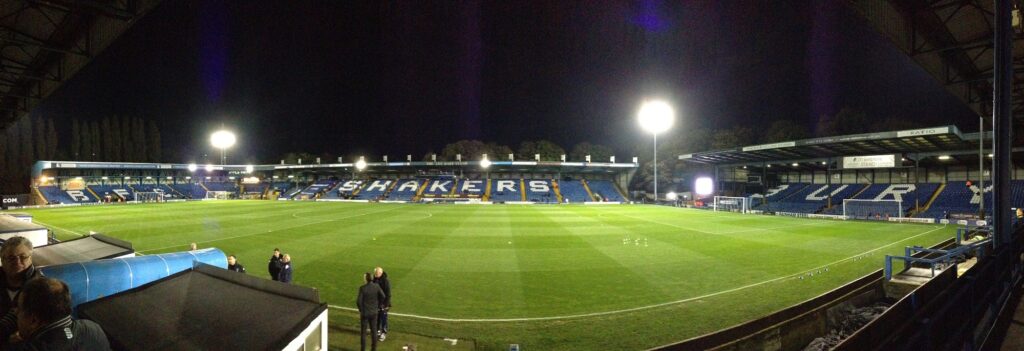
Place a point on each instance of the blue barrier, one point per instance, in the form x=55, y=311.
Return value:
x=96, y=279
x=945, y=258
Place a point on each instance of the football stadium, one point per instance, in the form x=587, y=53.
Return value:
x=861, y=235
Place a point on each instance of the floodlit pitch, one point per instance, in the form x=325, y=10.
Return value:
x=546, y=277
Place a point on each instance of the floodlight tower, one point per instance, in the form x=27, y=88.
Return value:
x=222, y=140
x=656, y=117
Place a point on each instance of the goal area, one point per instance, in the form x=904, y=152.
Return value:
x=148, y=196
x=872, y=209
x=731, y=204
x=218, y=195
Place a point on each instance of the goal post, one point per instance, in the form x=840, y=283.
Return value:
x=872, y=209
x=218, y=195
x=731, y=204
x=148, y=196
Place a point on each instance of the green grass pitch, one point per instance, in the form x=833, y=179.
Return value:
x=545, y=277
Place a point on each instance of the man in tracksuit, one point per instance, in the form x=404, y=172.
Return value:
x=368, y=301
x=381, y=278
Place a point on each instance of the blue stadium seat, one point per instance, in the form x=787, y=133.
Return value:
x=504, y=190
x=540, y=191
x=55, y=195
x=572, y=191
x=605, y=189
x=405, y=190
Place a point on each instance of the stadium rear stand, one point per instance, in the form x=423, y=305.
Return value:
x=572, y=191
x=55, y=195
x=605, y=190
x=192, y=191
x=115, y=192
x=405, y=190
x=540, y=191
x=375, y=189
x=504, y=190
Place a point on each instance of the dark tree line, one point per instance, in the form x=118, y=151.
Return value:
x=34, y=138
x=117, y=139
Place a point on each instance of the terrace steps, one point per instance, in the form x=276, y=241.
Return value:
x=522, y=189
x=942, y=187
x=487, y=191
x=587, y=188
x=558, y=193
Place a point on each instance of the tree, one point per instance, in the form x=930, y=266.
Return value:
x=39, y=137
x=127, y=150
x=474, y=150
x=732, y=137
x=153, y=141
x=548, y=150
x=51, y=139
x=598, y=153
x=784, y=130
x=106, y=141
x=846, y=121
x=87, y=151
x=94, y=131
x=27, y=151
x=139, y=139
x=498, y=152
x=76, y=139
x=115, y=139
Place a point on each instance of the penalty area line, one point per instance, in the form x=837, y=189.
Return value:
x=641, y=308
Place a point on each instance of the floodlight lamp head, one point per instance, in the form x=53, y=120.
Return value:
x=248, y=169
x=704, y=186
x=222, y=139
x=209, y=168
x=672, y=196
x=485, y=163
x=361, y=164
x=656, y=116
x=192, y=167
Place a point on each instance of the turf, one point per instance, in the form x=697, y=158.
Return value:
x=546, y=277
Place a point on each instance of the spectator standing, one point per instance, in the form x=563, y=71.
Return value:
x=44, y=321
x=193, y=247
x=368, y=301
x=233, y=265
x=16, y=258
x=286, y=269
x=275, y=264
x=380, y=277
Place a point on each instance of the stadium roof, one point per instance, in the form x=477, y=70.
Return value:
x=925, y=142
x=952, y=40
x=206, y=308
x=373, y=167
x=44, y=43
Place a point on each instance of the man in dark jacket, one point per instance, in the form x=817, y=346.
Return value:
x=368, y=301
x=275, y=264
x=16, y=258
x=381, y=278
x=234, y=266
x=286, y=269
x=44, y=321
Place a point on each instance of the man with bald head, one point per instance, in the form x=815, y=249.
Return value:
x=16, y=260
x=381, y=278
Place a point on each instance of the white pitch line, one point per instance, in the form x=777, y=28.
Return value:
x=53, y=226
x=728, y=232
x=634, y=309
x=274, y=230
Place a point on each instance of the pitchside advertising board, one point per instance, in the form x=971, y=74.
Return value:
x=868, y=161
x=7, y=201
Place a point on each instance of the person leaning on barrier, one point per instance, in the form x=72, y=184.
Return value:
x=16, y=258
x=44, y=321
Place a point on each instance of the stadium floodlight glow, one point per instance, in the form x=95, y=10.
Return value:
x=222, y=140
x=944, y=157
x=275, y=177
x=704, y=186
x=169, y=178
x=78, y=178
x=188, y=178
x=291, y=176
x=656, y=117
x=127, y=178
x=990, y=155
x=248, y=169
x=485, y=163
x=361, y=164
x=104, y=178
x=149, y=177
x=209, y=168
x=192, y=167
x=671, y=196
x=795, y=164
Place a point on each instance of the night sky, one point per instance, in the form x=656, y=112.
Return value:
x=403, y=78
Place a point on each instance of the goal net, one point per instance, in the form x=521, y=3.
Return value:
x=218, y=195
x=148, y=196
x=731, y=204
x=872, y=209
